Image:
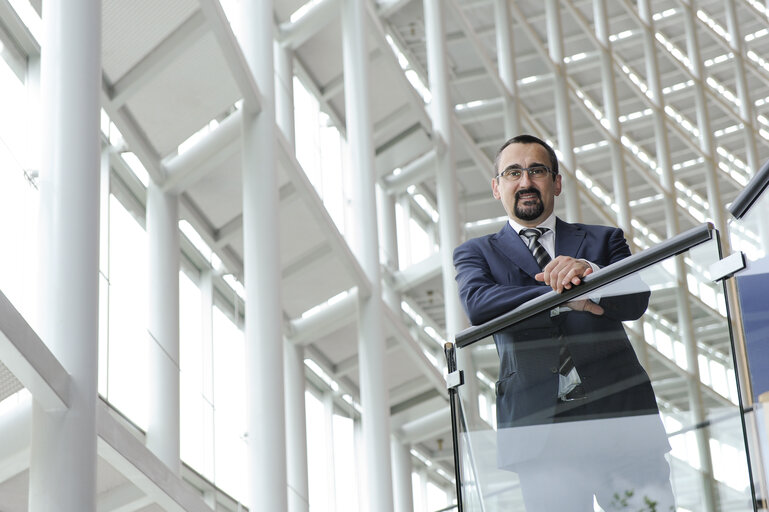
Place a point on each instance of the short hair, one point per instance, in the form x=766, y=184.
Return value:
x=529, y=139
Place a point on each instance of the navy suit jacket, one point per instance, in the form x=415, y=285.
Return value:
x=495, y=274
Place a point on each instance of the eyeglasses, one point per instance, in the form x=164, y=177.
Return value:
x=514, y=174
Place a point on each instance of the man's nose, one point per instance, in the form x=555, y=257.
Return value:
x=525, y=179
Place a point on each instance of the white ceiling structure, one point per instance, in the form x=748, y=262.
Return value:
x=171, y=67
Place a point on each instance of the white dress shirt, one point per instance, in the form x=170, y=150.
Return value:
x=547, y=240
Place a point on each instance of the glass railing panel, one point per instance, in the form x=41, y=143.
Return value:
x=655, y=423
x=749, y=234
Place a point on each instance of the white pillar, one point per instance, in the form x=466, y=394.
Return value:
x=743, y=91
x=296, y=429
x=207, y=371
x=404, y=233
x=284, y=92
x=611, y=112
x=449, y=223
x=295, y=382
x=506, y=64
x=662, y=144
x=328, y=421
x=685, y=327
x=261, y=265
x=163, y=326
x=63, y=455
x=562, y=110
x=388, y=238
x=707, y=139
x=371, y=342
x=402, y=483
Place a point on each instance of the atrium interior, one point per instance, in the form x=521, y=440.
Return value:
x=232, y=279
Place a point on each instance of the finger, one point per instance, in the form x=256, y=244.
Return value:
x=549, y=272
x=578, y=272
x=565, y=276
x=595, y=309
x=540, y=277
x=572, y=277
x=557, y=275
x=576, y=305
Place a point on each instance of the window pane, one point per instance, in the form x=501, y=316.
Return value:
x=230, y=406
x=18, y=200
x=317, y=462
x=128, y=371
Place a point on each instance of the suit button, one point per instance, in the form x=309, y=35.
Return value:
x=554, y=369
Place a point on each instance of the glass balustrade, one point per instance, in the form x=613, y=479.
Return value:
x=655, y=423
x=749, y=235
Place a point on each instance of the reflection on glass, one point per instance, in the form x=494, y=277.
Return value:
x=750, y=234
x=645, y=430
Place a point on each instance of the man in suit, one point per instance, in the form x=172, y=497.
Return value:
x=576, y=413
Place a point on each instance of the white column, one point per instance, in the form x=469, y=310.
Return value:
x=743, y=92
x=449, y=223
x=296, y=429
x=295, y=382
x=660, y=121
x=685, y=327
x=562, y=110
x=328, y=421
x=611, y=112
x=402, y=468
x=404, y=233
x=422, y=492
x=506, y=64
x=707, y=140
x=261, y=265
x=388, y=239
x=163, y=326
x=284, y=92
x=206, y=383
x=371, y=342
x=63, y=455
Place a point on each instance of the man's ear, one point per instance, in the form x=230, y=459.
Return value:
x=495, y=188
x=557, y=185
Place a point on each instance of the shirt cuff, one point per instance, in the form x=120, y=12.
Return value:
x=595, y=296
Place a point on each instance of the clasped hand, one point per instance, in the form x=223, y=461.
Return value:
x=564, y=272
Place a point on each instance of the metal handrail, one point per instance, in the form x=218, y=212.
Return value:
x=671, y=247
x=751, y=192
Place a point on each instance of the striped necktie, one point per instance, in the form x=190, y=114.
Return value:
x=565, y=364
x=539, y=252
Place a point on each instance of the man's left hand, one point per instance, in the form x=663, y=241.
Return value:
x=563, y=272
x=586, y=305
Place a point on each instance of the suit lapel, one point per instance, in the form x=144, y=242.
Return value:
x=510, y=244
x=568, y=238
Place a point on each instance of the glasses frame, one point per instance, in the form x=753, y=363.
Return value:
x=501, y=175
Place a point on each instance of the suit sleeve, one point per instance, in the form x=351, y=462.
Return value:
x=482, y=296
x=628, y=306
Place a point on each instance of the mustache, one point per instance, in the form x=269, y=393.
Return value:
x=528, y=191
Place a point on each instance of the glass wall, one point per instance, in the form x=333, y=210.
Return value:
x=332, y=458
x=18, y=194
x=125, y=377
x=652, y=421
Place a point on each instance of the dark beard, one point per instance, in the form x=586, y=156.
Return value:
x=530, y=211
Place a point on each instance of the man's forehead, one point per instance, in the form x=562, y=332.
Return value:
x=518, y=153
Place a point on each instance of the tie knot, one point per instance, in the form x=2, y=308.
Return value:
x=533, y=233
